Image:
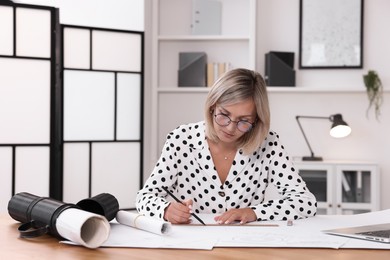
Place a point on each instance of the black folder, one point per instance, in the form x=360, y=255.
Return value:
x=192, y=69
x=279, y=69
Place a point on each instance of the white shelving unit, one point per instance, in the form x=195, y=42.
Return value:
x=342, y=187
x=171, y=34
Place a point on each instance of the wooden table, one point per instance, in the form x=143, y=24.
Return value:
x=48, y=247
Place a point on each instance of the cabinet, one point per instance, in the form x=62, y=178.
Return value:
x=172, y=34
x=342, y=187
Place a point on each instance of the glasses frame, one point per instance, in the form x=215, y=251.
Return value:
x=237, y=122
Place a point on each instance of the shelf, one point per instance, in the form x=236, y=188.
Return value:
x=203, y=38
x=297, y=160
x=270, y=90
x=315, y=90
x=234, y=43
x=184, y=90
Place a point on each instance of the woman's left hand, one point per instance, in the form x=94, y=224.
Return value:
x=232, y=215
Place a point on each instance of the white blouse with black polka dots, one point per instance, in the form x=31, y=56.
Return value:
x=186, y=168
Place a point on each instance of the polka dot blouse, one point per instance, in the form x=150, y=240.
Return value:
x=187, y=169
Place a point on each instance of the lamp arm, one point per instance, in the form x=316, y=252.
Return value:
x=303, y=132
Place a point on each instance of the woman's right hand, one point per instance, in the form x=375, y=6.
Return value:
x=178, y=213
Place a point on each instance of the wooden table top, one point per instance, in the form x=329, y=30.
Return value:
x=48, y=247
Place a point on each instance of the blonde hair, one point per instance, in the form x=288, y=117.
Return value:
x=235, y=86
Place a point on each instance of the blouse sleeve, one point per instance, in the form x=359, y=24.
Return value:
x=295, y=200
x=150, y=200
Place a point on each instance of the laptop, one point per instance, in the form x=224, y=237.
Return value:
x=377, y=233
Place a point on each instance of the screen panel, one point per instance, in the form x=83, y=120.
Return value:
x=89, y=105
x=6, y=30
x=116, y=170
x=27, y=80
x=128, y=106
x=103, y=108
x=76, y=172
x=24, y=101
x=5, y=177
x=33, y=32
x=116, y=51
x=32, y=166
x=77, y=48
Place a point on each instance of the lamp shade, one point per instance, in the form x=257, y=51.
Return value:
x=339, y=128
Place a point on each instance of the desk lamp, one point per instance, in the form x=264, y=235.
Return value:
x=339, y=129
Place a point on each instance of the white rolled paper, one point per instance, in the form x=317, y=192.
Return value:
x=82, y=227
x=142, y=222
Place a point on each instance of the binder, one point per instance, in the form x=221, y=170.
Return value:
x=348, y=189
x=206, y=17
x=210, y=74
x=359, y=184
x=215, y=70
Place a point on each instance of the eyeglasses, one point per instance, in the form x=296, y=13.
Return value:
x=242, y=125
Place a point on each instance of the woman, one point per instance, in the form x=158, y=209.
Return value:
x=224, y=164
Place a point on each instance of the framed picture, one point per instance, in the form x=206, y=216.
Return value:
x=331, y=34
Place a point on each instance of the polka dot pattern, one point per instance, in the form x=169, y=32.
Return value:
x=187, y=169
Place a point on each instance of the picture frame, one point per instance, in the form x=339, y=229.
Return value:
x=331, y=34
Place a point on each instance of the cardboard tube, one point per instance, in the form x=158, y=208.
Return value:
x=82, y=227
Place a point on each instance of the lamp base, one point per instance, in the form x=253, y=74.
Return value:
x=311, y=158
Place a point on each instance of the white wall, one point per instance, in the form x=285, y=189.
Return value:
x=278, y=30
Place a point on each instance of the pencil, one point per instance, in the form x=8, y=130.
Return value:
x=238, y=225
x=173, y=196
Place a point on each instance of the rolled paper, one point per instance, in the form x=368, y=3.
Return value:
x=142, y=222
x=84, y=228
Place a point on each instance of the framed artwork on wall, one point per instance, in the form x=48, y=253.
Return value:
x=331, y=34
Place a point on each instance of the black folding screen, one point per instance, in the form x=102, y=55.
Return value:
x=28, y=64
x=70, y=107
x=103, y=79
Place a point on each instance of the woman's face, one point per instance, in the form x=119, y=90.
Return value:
x=242, y=115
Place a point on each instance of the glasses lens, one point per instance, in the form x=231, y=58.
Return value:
x=222, y=120
x=244, y=126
